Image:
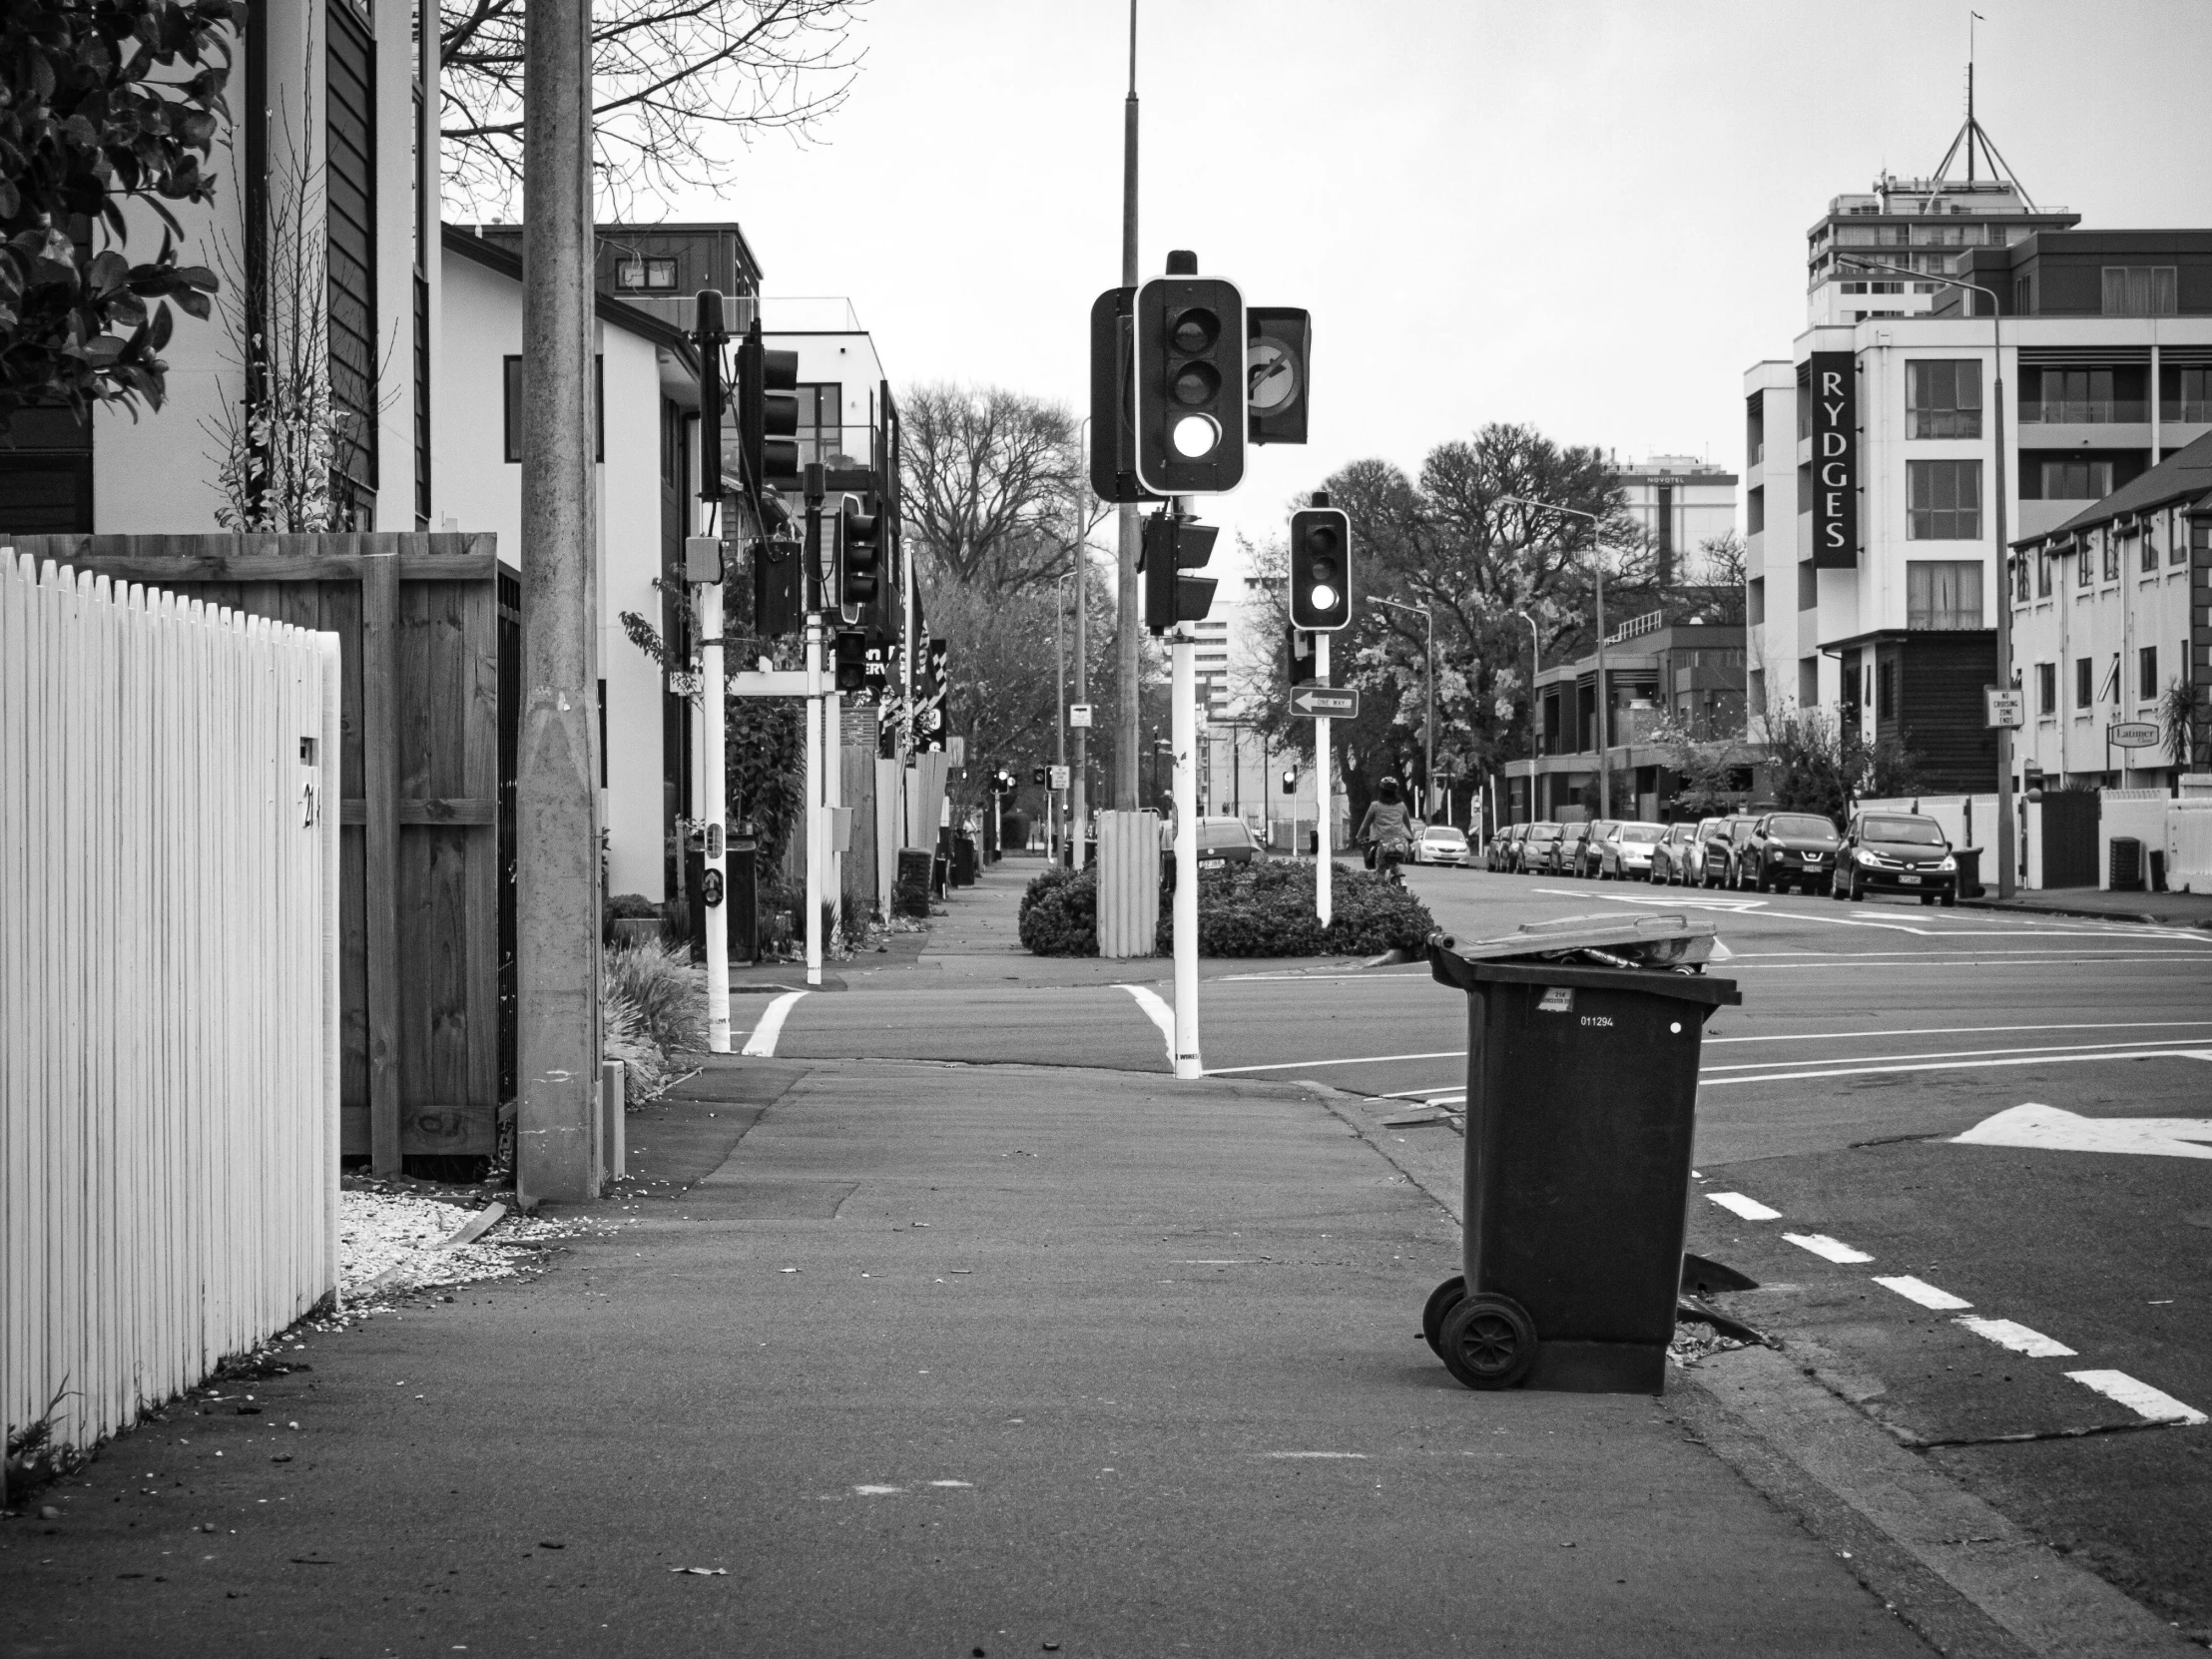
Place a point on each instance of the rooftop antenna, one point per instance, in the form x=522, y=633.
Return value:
x=1974, y=140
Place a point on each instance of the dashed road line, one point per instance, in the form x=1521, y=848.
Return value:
x=2151, y=1405
x=1833, y=1250
x=1922, y=1292
x=762, y=1044
x=1749, y=1208
x=2018, y=1337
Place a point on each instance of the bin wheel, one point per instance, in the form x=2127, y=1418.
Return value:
x=1488, y=1341
x=1441, y=1301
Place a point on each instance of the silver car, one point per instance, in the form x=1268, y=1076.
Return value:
x=1625, y=853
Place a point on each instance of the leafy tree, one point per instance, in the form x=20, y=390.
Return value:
x=992, y=484
x=670, y=79
x=1819, y=767
x=109, y=104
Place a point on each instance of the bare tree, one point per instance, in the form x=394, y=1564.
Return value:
x=992, y=484
x=669, y=78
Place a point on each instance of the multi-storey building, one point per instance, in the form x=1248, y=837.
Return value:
x=1872, y=467
x=1680, y=503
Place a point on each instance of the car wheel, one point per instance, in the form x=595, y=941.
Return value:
x=1857, y=892
x=1951, y=899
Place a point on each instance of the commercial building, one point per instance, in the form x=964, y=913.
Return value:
x=1872, y=466
x=1680, y=503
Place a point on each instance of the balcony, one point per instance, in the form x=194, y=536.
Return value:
x=2088, y=411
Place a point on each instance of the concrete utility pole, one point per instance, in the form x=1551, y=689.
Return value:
x=1128, y=606
x=556, y=794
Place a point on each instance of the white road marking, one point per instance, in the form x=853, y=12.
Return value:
x=762, y=1044
x=963, y=1484
x=1354, y=1060
x=1749, y=1208
x=1820, y=1244
x=1356, y=1454
x=2153, y=1405
x=1983, y=958
x=2018, y=1337
x=1158, y=1012
x=2054, y=1129
x=1922, y=1292
x=1969, y=1065
x=877, y=1491
x=1961, y=1031
x=1974, y=1053
x=1737, y=906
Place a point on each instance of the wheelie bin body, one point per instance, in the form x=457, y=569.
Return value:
x=1581, y=1106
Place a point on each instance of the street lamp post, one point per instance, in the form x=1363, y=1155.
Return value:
x=1535, y=667
x=1429, y=682
x=2005, y=859
x=1597, y=569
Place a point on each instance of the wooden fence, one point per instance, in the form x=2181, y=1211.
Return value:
x=168, y=990
x=426, y=768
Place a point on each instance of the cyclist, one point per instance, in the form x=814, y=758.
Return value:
x=1387, y=830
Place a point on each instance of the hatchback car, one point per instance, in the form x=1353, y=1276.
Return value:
x=1228, y=841
x=1625, y=853
x=1675, y=857
x=1565, y=855
x=1532, y=854
x=1791, y=849
x=1720, y=846
x=1896, y=852
x=1586, y=855
x=1499, y=854
x=1441, y=843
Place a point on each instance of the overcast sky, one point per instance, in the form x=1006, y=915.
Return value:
x=1588, y=217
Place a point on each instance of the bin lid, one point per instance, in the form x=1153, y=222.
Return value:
x=1614, y=940
x=1451, y=968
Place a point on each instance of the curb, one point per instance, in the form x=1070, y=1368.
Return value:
x=2145, y=917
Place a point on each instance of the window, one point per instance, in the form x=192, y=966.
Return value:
x=2076, y=481
x=2177, y=544
x=2185, y=394
x=2042, y=573
x=2019, y=578
x=2149, y=559
x=1755, y=600
x=1943, y=398
x=820, y=423
x=2085, y=567
x=2146, y=672
x=2112, y=556
x=1942, y=593
x=2046, y=688
x=512, y=415
x=2083, y=396
x=2140, y=290
x=1944, y=501
x=1755, y=509
x=647, y=275
x=1808, y=587
x=2084, y=678
x=2024, y=295
x=1886, y=692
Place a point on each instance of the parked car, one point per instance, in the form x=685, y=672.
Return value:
x=1499, y=854
x=1441, y=843
x=1228, y=841
x=1675, y=857
x=1625, y=853
x=1896, y=852
x=1789, y=850
x=1587, y=854
x=1532, y=854
x=1565, y=855
x=1719, y=846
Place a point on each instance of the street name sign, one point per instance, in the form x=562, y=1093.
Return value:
x=1079, y=714
x=2132, y=734
x=2007, y=706
x=1327, y=702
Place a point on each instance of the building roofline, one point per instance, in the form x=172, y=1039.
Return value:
x=492, y=256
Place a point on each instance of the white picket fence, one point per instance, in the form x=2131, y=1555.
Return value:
x=168, y=990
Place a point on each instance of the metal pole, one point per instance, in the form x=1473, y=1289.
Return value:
x=1078, y=778
x=815, y=839
x=1428, y=758
x=1604, y=769
x=1535, y=667
x=715, y=786
x=1184, y=738
x=1128, y=605
x=556, y=792
x=1322, y=897
x=2007, y=874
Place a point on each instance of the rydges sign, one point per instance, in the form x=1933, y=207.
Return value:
x=1835, y=461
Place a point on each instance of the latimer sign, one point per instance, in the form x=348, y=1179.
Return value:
x=1835, y=461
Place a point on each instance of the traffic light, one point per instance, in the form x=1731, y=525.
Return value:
x=859, y=557
x=851, y=658
x=709, y=337
x=1290, y=780
x=1321, y=566
x=1037, y=776
x=1281, y=341
x=1171, y=546
x=768, y=410
x=1191, y=420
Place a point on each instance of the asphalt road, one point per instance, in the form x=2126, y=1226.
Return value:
x=1870, y=1037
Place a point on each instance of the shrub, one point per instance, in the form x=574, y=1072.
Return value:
x=1059, y=913
x=631, y=907
x=1268, y=911
x=653, y=1003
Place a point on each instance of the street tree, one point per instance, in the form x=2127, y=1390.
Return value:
x=113, y=108
x=992, y=483
x=672, y=82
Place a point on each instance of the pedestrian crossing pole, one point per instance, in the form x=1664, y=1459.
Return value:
x=1183, y=738
x=818, y=840
x=1321, y=769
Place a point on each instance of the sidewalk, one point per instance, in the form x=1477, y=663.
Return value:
x=924, y=1360
x=2171, y=910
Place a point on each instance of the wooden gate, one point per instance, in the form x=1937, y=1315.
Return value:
x=422, y=881
x=2070, y=838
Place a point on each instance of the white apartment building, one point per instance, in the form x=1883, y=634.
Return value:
x=1872, y=471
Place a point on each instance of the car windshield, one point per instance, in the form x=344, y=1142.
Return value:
x=1214, y=836
x=1443, y=832
x=1544, y=831
x=1642, y=833
x=1818, y=828
x=1913, y=831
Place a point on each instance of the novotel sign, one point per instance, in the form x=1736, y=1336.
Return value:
x=1835, y=461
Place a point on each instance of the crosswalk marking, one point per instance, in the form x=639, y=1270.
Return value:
x=762, y=1044
x=2151, y=1405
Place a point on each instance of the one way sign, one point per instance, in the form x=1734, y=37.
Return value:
x=1335, y=701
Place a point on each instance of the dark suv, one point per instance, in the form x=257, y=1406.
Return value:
x=1791, y=849
x=1896, y=852
x=1718, y=850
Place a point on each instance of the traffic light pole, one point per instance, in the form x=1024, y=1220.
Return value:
x=817, y=840
x=714, y=808
x=1184, y=738
x=1322, y=897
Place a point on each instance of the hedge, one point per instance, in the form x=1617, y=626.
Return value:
x=1059, y=913
x=1261, y=910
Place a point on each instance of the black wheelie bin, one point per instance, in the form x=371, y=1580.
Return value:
x=1581, y=1103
